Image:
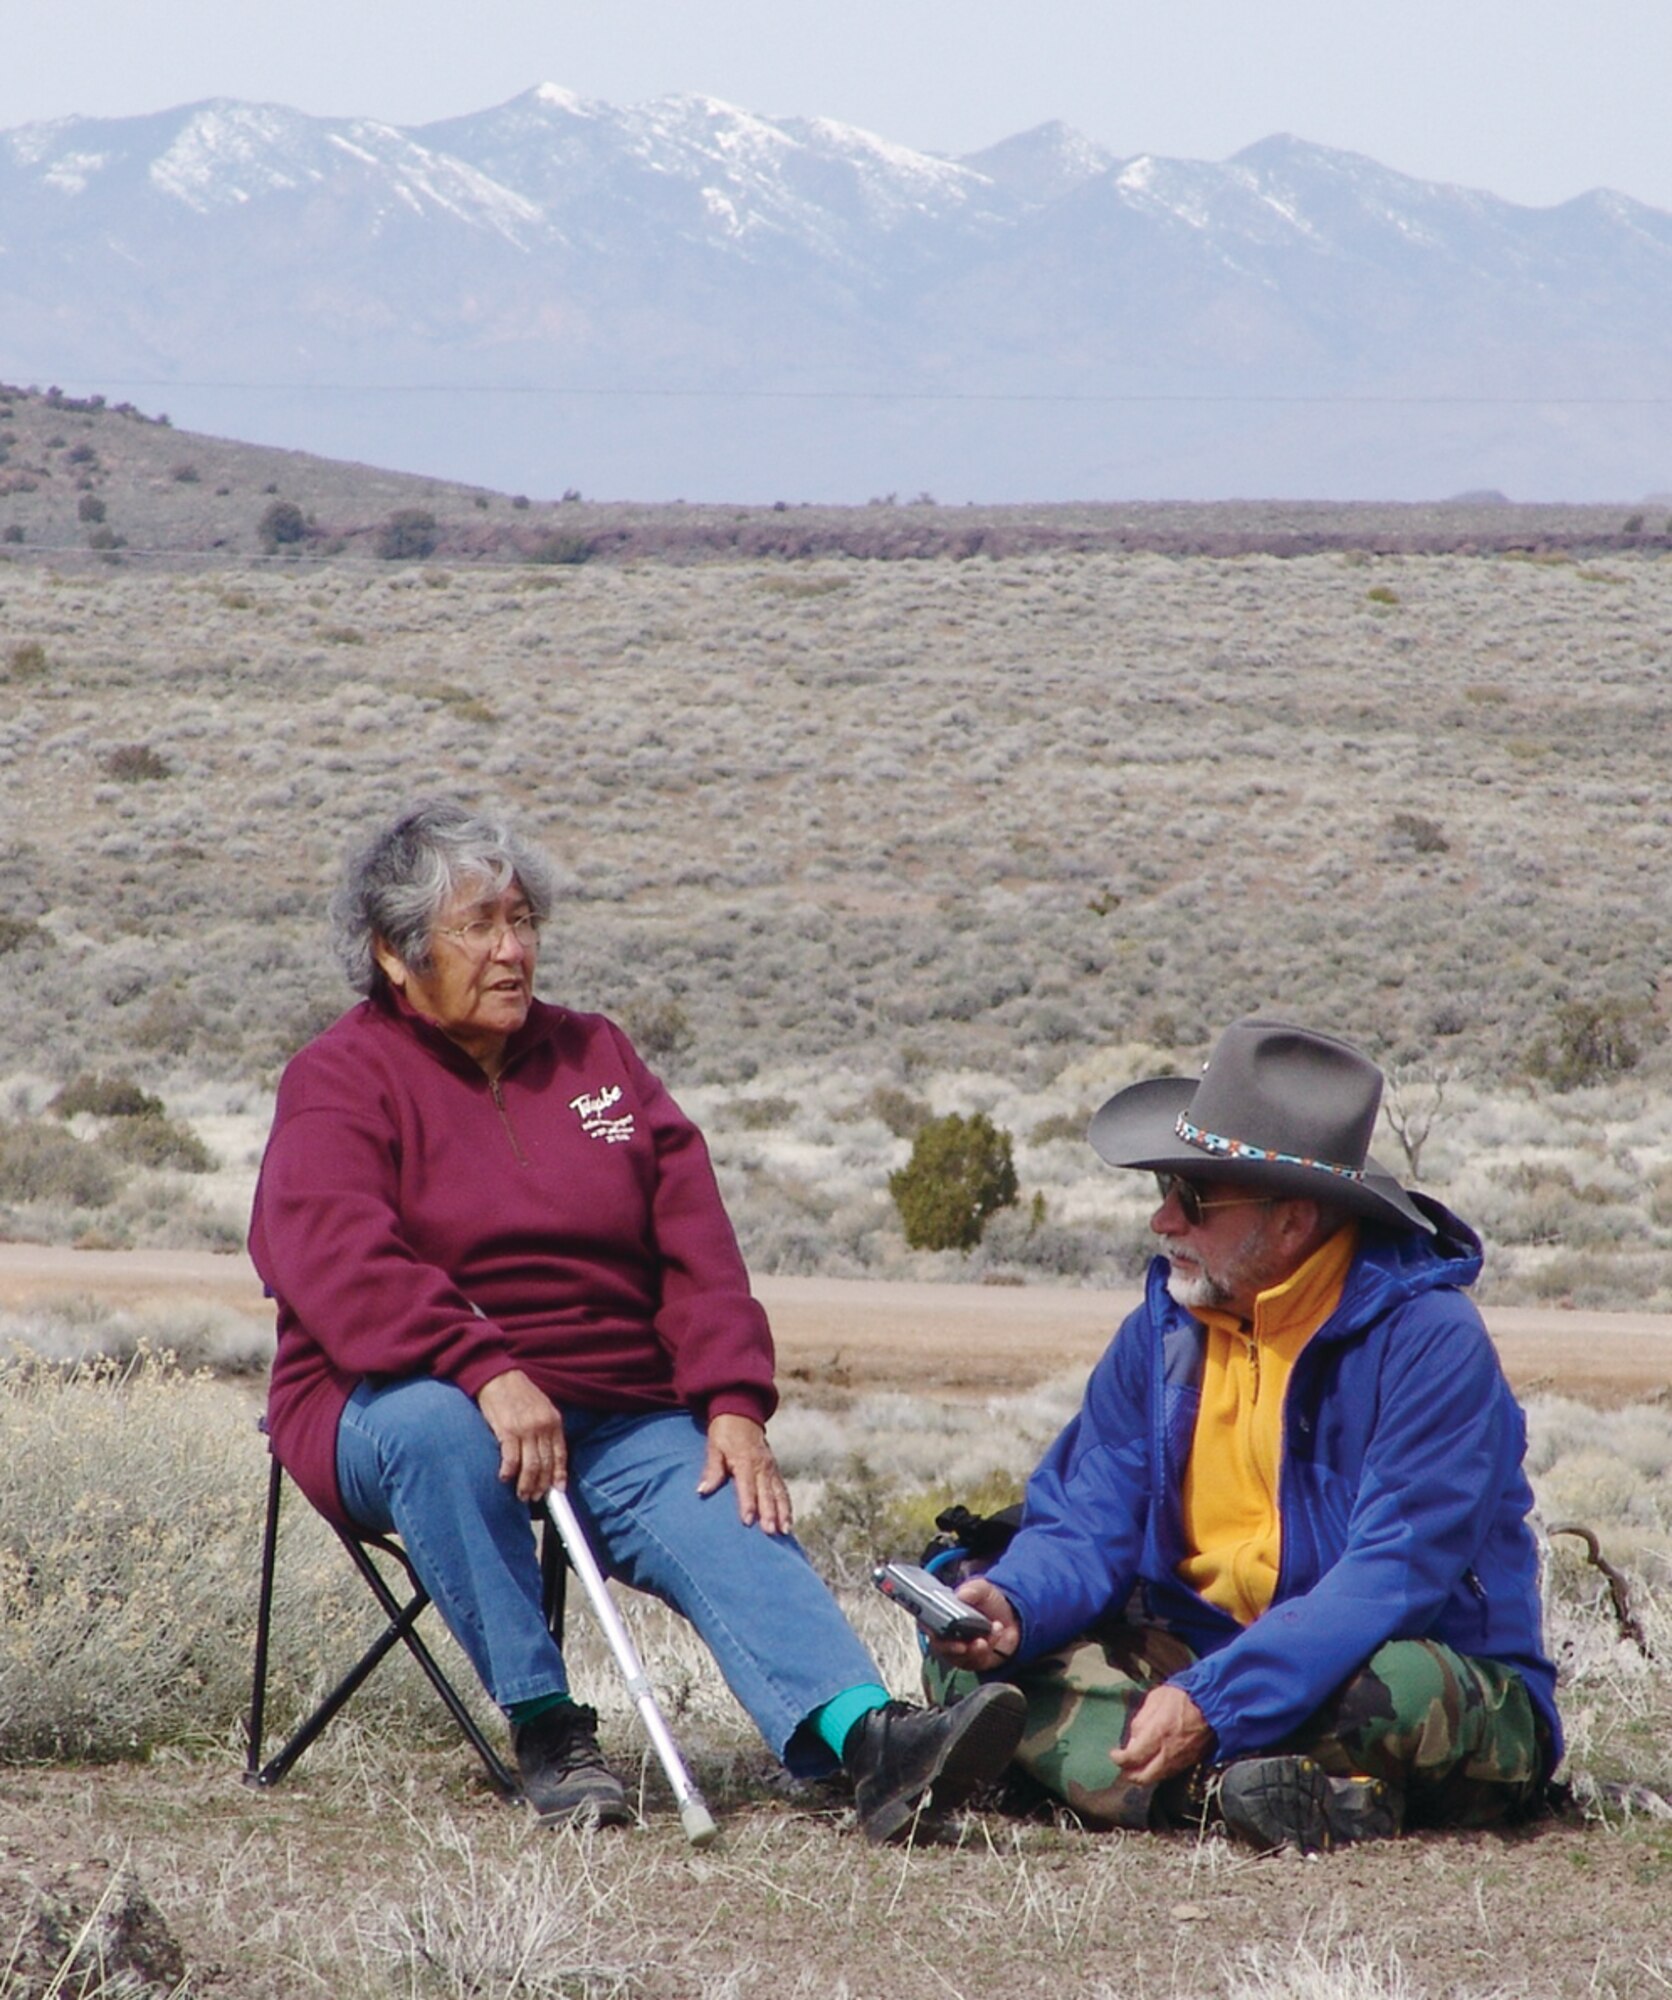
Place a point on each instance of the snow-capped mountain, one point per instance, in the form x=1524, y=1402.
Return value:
x=682, y=298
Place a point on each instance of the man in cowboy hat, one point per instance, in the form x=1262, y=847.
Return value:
x=1279, y=1563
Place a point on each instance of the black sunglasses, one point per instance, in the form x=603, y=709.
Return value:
x=1191, y=1205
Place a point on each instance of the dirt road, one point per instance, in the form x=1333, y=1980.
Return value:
x=958, y=1340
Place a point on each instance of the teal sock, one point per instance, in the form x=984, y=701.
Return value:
x=842, y=1711
x=538, y=1704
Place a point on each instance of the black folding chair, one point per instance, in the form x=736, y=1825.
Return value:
x=401, y=1630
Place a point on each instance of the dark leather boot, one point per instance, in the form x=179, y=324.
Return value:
x=903, y=1758
x=564, y=1776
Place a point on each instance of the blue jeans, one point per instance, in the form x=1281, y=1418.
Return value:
x=417, y=1457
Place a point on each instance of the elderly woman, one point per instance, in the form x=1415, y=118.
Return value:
x=501, y=1264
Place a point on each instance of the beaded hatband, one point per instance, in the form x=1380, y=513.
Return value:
x=1242, y=1149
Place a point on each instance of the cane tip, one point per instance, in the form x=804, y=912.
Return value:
x=698, y=1823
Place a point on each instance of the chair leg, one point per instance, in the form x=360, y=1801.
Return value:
x=402, y=1623
x=263, y=1626
x=554, y=1578
x=400, y=1630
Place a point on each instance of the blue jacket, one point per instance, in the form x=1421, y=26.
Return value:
x=1403, y=1500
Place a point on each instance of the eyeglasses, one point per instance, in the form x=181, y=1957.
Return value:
x=482, y=934
x=1191, y=1205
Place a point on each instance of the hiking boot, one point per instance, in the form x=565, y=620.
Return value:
x=1293, y=1802
x=564, y=1776
x=902, y=1758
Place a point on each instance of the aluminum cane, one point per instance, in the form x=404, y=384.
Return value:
x=694, y=1815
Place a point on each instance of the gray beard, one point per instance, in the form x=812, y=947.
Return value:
x=1238, y=1264
x=1200, y=1289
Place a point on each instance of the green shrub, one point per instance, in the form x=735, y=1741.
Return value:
x=281, y=526
x=26, y=661
x=156, y=1141
x=1418, y=831
x=904, y=1115
x=660, y=1030
x=1060, y=1125
x=1578, y=1278
x=959, y=1172
x=45, y=1163
x=184, y=474
x=172, y=1022
x=135, y=764
x=566, y=549
x=16, y=932
x=1535, y=1176
x=105, y=1097
x=759, y=1114
x=90, y=508
x=408, y=535
x=466, y=706
x=1591, y=1040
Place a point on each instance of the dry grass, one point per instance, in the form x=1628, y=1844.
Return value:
x=383, y=1866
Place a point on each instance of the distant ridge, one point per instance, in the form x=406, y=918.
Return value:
x=682, y=299
x=84, y=481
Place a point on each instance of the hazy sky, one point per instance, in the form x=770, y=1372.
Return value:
x=1536, y=100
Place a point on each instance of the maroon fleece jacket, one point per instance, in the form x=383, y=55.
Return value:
x=412, y=1218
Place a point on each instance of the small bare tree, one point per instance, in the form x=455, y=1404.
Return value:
x=1411, y=1102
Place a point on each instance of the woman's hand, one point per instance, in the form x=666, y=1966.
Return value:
x=998, y=1646
x=738, y=1451
x=529, y=1427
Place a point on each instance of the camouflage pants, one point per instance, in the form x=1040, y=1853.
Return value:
x=1456, y=1740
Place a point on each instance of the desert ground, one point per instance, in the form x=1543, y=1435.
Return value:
x=383, y=1866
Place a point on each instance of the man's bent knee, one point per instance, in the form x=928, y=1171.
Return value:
x=1457, y=1737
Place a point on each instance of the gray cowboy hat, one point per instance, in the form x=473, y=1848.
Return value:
x=1283, y=1110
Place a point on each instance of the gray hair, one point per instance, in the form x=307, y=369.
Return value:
x=396, y=884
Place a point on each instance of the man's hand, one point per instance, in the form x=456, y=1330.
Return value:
x=982, y=1655
x=1169, y=1734
x=738, y=1451
x=529, y=1427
